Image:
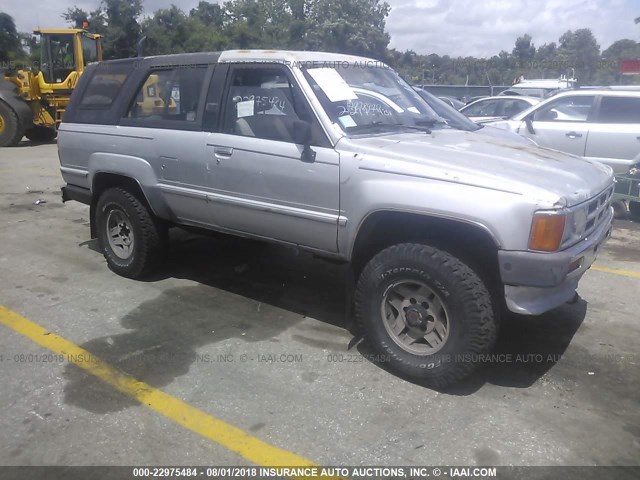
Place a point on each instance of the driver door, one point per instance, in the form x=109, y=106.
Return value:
x=258, y=181
x=562, y=124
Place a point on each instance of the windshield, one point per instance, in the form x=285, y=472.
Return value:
x=370, y=100
x=57, y=57
x=453, y=117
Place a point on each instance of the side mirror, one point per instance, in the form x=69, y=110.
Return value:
x=140, y=46
x=529, y=123
x=302, y=136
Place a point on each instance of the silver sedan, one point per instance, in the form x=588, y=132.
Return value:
x=497, y=108
x=599, y=124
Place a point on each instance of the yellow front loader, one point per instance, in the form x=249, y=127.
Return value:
x=33, y=100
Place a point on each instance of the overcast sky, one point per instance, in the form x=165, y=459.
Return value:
x=478, y=28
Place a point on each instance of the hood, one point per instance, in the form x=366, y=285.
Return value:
x=504, y=135
x=547, y=177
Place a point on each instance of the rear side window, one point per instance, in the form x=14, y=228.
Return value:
x=619, y=110
x=104, y=86
x=167, y=95
x=487, y=108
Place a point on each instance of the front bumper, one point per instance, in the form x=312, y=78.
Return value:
x=537, y=282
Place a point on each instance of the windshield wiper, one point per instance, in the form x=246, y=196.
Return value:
x=383, y=125
x=432, y=122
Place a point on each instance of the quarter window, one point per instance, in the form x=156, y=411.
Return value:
x=104, y=86
x=168, y=95
x=619, y=110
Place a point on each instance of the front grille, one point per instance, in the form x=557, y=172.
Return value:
x=589, y=215
x=597, y=209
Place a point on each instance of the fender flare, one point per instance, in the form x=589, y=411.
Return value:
x=136, y=169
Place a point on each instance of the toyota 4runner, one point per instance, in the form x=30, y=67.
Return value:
x=443, y=226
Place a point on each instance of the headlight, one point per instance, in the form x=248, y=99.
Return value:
x=547, y=231
x=578, y=224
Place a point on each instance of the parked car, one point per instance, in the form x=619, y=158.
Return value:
x=540, y=88
x=601, y=125
x=440, y=227
x=539, y=93
x=456, y=119
x=453, y=102
x=467, y=100
x=496, y=108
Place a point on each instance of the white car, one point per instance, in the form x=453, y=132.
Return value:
x=497, y=108
x=599, y=124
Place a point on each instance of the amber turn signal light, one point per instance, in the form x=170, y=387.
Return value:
x=546, y=232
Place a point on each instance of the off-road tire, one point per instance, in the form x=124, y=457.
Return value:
x=12, y=131
x=634, y=211
x=149, y=234
x=41, y=134
x=472, y=327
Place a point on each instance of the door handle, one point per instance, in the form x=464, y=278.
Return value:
x=222, y=153
x=573, y=134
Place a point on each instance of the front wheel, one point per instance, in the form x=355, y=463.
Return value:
x=11, y=130
x=41, y=134
x=132, y=240
x=426, y=312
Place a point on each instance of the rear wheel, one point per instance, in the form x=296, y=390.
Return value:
x=634, y=210
x=426, y=312
x=41, y=134
x=11, y=131
x=133, y=241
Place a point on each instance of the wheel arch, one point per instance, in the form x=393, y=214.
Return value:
x=104, y=180
x=473, y=243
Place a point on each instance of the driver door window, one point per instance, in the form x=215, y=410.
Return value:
x=262, y=102
x=562, y=124
x=566, y=109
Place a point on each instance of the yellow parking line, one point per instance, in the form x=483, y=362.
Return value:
x=230, y=437
x=615, y=271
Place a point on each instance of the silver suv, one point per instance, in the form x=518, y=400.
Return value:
x=443, y=227
x=599, y=124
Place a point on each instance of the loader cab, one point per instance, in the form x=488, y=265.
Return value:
x=64, y=53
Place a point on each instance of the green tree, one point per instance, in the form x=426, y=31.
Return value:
x=624, y=48
x=123, y=29
x=211, y=15
x=116, y=20
x=348, y=26
x=579, y=51
x=524, y=51
x=167, y=31
x=609, y=71
x=9, y=39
